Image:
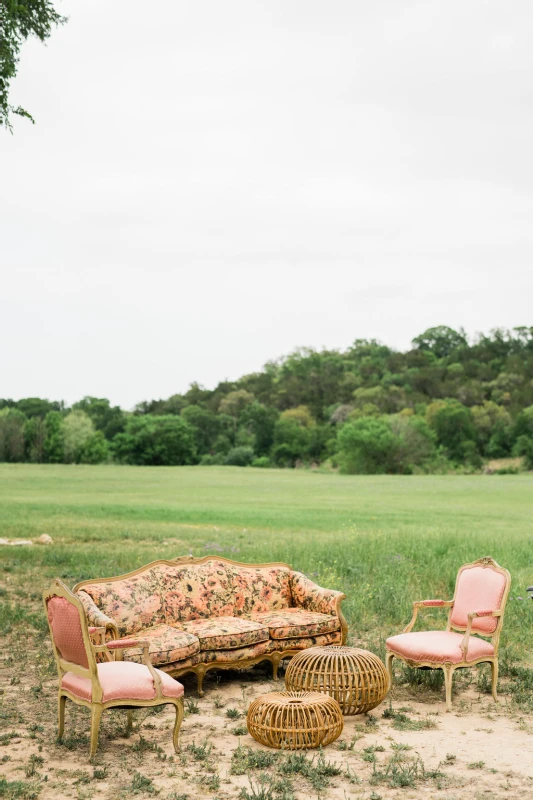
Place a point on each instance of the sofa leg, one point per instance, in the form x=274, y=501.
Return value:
x=200, y=672
x=275, y=666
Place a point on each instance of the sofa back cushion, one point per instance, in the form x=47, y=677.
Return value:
x=134, y=602
x=174, y=593
x=260, y=589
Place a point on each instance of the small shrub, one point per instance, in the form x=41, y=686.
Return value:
x=263, y=462
x=140, y=783
x=240, y=457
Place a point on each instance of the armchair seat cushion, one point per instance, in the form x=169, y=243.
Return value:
x=167, y=644
x=226, y=633
x=122, y=680
x=437, y=647
x=292, y=623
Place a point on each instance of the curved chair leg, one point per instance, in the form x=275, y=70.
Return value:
x=61, y=715
x=275, y=665
x=200, y=672
x=177, y=725
x=448, y=680
x=388, y=663
x=96, y=715
x=494, y=669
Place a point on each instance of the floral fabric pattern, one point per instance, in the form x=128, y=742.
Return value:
x=166, y=645
x=291, y=623
x=258, y=589
x=226, y=633
x=306, y=594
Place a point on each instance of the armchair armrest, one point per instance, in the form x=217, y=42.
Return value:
x=96, y=617
x=123, y=644
x=471, y=616
x=418, y=604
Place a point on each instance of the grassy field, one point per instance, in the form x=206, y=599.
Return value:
x=384, y=541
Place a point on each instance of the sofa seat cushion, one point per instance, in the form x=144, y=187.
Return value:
x=122, y=681
x=437, y=647
x=292, y=623
x=167, y=644
x=226, y=633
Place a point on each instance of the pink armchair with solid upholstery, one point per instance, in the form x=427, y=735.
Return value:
x=109, y=683
x=475, y=615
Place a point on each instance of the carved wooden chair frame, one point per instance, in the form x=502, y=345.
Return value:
x=447, y=666
x=108, y=651
x=200, y=670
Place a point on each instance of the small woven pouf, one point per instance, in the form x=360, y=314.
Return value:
x=356, y=679
x=294, y=720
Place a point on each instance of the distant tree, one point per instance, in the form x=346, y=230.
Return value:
x=301, y=415
x=367, y=446
x=291, y=442
x=442, y=340
x=493, y=425
x=34, y=438
x=206, y=427
x=454, y=429
x=54, y=448
x=106, y=418
x=260, y=421
x=82, y=443
x=165, y=440
x=340, y=413
x=12, y=423
x=415, y=442
x=234, y=404
x=37, y=407
x=95, y=450
x=522, y=435
x=19, y=21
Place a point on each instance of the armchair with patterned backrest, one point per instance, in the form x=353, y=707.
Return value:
x=110, y=683
x=476, y=611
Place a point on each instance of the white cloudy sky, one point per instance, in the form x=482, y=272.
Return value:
x=213, y=183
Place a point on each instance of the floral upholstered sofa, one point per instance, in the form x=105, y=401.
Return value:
x=212, y=613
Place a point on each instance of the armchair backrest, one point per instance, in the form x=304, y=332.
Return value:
x=68, y=631
x=480, y=586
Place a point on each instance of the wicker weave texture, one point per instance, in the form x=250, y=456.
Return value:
x=356, y=679
x=294, y=720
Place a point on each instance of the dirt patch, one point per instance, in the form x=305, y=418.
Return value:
x=405, y=748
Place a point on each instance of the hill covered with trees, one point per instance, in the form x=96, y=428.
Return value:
x=446, y=403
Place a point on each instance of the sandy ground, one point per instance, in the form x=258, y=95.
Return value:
x=480, y=750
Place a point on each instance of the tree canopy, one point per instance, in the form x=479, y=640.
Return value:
x=444, y=403
x=20, y=19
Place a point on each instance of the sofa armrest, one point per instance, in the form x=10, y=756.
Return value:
x=95, y=617
x=308, y=595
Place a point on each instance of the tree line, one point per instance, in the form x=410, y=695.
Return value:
x=446, y=403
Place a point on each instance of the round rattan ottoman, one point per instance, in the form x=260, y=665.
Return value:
x=294, y=720
x=356, y=679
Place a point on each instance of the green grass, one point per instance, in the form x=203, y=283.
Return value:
x=383, y=540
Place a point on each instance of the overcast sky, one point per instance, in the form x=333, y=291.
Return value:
x=211, y=184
